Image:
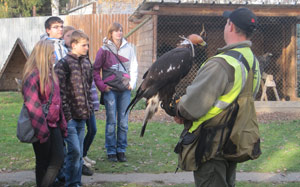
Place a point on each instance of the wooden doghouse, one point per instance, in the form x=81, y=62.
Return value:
x=13, y=67
x=276, y=34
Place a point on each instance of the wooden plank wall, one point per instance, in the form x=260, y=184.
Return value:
x=96, y=26
x=145, y=48
x=289, y=64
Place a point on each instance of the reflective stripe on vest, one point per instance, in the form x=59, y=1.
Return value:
x=240, y=76
x=256, y=77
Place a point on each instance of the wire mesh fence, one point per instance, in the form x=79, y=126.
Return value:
x=298, y=59
x=273, y=44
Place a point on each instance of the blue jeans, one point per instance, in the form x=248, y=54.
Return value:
x=115, y=105
x=74, y=161
x=91, y=132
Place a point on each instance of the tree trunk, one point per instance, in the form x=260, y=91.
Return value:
x=55, y=7
x=34, y=11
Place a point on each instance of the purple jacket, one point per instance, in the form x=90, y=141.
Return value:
x=106, y=61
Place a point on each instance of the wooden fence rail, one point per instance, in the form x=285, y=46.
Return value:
x=96, y=26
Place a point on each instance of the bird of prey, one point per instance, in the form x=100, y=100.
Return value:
x=264, y=61
x=160, y=80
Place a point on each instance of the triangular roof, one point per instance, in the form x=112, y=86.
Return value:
x=23, y=49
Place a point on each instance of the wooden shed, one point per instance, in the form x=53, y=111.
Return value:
x=276, y=34
x=13, y=67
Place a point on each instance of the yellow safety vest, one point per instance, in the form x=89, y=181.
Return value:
x=242, y=60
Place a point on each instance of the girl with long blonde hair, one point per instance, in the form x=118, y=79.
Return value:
x=41, y=58
x=39, y=82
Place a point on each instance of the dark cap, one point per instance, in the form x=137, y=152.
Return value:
x=243, y=18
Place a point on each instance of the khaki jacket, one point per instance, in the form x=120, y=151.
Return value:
x=213, y=138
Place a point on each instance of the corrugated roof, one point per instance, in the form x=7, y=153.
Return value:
x=147, y=5
x=253, y=2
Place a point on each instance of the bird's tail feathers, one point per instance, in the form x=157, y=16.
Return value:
x=137, y=97
x=152, y=107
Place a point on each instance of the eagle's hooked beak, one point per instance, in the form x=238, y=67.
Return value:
x=203, y=43
x=203, y=36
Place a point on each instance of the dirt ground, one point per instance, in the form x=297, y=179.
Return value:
x=161, y=116
x=150, y=179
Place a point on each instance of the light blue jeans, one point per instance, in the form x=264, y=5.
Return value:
x=74, y=160
x=115, y=105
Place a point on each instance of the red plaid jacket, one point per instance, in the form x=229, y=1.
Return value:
x=34, y=100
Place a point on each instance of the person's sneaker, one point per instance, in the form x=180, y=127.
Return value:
x=87, y=159
x=112, y=158
x=87, y=164
x=121, y=157
x=86, y=171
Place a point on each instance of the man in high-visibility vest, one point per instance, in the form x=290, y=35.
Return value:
x=218, y=108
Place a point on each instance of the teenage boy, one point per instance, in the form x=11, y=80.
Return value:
x=91, y=122
x=54, y=29
x=75, y=78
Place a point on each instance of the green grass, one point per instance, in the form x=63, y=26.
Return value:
x=154, y=152
x=13, y=155
x=280, y=148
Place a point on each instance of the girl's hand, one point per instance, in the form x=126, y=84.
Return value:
x=107, y=89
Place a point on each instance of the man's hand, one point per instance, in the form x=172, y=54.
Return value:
x=178, y=120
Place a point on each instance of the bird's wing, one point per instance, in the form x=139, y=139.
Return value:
x=171, y=66
x=145, y=74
